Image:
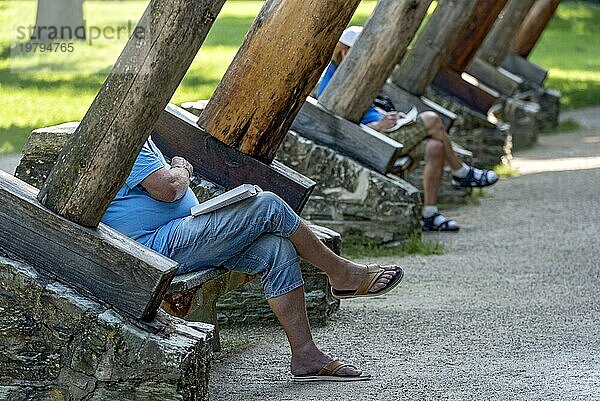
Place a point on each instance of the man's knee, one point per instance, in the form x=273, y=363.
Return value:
x=434, y=125
x=434, y=150
x=431, y=120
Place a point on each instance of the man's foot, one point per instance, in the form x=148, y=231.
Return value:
x=437, y=222
x=475, y=178
x=310, y=361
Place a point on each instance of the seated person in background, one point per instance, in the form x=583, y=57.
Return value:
x=438, y=149
x=259, y=235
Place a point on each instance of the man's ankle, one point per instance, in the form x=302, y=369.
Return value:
x=429, y=210
x=462, y=171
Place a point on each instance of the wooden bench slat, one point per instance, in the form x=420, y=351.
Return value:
x=101, y=262
x=403, y=100
x=188, y=281
x=470, y=95
x=524, y=68
x=177, y=134
x=364, y=145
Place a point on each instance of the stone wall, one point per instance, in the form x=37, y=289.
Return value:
x=60, y=345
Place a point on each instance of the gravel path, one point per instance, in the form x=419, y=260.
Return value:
x=510, y=312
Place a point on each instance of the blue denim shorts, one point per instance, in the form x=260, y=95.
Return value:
x=250, y=236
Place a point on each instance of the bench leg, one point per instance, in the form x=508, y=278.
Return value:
x=204, y=303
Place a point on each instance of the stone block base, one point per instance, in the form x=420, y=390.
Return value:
x=58, y=344
x=359, y=203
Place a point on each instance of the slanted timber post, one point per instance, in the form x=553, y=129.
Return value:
x=279, y=63
x=381, y=46
x=534, y=25
x=431, y=49
x=497, y=44
x=473, y=34
x=96, y=161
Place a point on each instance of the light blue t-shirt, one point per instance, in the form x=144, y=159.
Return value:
x=135, y=213
x=371, y=116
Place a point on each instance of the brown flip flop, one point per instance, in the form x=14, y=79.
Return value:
x=329, y=374
x=373, y=273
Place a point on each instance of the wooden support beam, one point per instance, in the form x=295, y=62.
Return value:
x=381, y=46
x=363, y=144
x=404, y=100
x=524, y=68
x=177, y=133
x=506, y=84
x=279, y=63
x=533, y=26
x=433, y=45
x=474, y=32
x=98, y=158
x=474, y=96
x=100, y=262
x=497, y=44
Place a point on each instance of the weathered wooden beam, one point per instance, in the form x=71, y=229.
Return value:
x=98, y=158
x=381, y=46
x=533, y=26
x=476, y=97
x=363, y=144
x=474, y=32
x=506, y=83
x=177, y=133
x=524, y=68
x=279, y=63
x=497, y=44
x=404, y=100
x=101, y=262
x=433, y=45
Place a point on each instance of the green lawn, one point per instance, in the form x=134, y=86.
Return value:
x=46, y=89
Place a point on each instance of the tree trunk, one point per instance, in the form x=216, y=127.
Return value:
x=497, y=44
x=97, y=160
x=381, y=46
x=58, y=20
x=474, y=32
x=423, y=61
x=532, y=28
x=277, y=66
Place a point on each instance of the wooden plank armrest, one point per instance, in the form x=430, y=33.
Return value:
x=193, y=280
x=176, y=133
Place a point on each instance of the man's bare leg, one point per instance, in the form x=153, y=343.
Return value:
x=434, y=169
x=306, y=357
x=343, y=274
x=435, y=128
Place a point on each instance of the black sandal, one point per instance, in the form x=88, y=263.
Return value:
x=427, y=224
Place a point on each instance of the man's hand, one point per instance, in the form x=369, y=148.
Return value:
x=388, y=121
x=170, y=185
x=180, y=162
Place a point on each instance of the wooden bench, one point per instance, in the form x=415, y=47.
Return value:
x=191, y=296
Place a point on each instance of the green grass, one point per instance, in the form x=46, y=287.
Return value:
x=568, y=125
x=569, y=49
x=47, y=89
x=414, y=245
x=506, y=171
